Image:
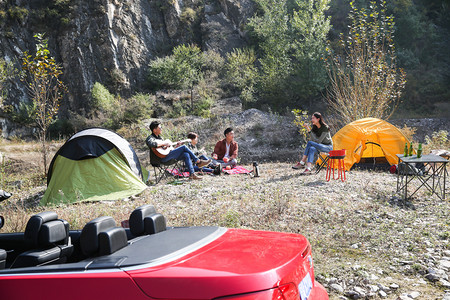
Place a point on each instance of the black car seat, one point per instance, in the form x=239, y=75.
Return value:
x=49, y=238
x=101, y=237
x=2, y=259
x=144, y=220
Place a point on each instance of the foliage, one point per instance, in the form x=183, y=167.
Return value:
x=41, y=75
x=422, y=43
x=408, y=132
x=185, y=69
x=18, y=13
x=117, y=111
x=242, y=73
x=301, y=119
x=364, y=78
x=188, y=16
x=438, y=140
x=25, y=113
x=7, y=73
x=177, y=71
x=291, y=39
x=103, y=100
x=138, y=107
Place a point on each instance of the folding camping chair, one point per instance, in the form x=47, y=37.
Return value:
x=324, y=161
x=160, y=169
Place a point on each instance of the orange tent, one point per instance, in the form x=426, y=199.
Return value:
x=369, y=138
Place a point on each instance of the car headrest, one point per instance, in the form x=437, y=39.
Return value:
x=34, y=225
x=154, y=223
x=111, y=240
x=136, y=221
x=89, y=237
x=54, y=232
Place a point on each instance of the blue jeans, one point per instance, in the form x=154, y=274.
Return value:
x=232, y=163
x=182, y=153
x=312, y=148
x=204, y=169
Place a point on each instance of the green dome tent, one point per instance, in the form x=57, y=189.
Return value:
x=94, y=164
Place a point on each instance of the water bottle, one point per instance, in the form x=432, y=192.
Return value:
x=255, y=169
x=405, y=153
x=419, y=151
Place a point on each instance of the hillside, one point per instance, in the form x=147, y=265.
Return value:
x=113, y=42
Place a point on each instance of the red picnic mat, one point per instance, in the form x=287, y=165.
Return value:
x=176, y=172
x=237, y=170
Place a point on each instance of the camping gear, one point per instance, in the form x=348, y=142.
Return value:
x=413, y=176
x=255, y=169
x=336, y=161
x=370, y=139
x=94, y=164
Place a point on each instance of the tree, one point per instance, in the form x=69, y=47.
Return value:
x=291, y=39
x=364, y=78
x=241, y=72
x=41, y=75
x=185, y=69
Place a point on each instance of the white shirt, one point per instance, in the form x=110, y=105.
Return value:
x=227, y=152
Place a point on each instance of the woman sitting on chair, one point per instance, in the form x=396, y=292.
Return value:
x=320, y=142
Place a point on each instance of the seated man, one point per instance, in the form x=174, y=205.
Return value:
x=226, y=150
x=154, y=141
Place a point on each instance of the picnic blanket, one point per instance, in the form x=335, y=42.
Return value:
x=237, y=170
x=176, y=172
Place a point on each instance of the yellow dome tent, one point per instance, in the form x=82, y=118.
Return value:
x=369, y=138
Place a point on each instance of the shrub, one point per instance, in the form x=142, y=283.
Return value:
x=103, y=100
x=241, y=73
x=138, y=107
x=18, y=13
x=301, y=118
x=438, y=140
x=188, y=16
x=364, y=78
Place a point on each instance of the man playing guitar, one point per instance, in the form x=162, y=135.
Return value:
x=155, y=141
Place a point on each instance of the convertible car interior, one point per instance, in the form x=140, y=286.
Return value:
x=50, y=245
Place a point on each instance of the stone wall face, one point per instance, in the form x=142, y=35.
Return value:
x=112, y=42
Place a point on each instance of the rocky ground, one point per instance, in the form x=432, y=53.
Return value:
x=367, y=242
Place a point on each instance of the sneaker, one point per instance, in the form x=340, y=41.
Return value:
x=218, y=170
x=298, y=166
x=195, y=177
x=4, y=195
x=203, y=163
x=307, y=171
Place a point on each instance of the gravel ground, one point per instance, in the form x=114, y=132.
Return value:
x=367, y=242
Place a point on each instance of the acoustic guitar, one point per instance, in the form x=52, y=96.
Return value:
x=164, y=151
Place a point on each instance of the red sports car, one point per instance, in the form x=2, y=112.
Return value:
x=151, y=261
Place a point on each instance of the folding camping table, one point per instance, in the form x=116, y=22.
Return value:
x=433, y=178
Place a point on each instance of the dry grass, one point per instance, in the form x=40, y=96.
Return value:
x=357, y=228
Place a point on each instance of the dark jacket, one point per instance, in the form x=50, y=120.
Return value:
x=221, y=148
x=151, y=143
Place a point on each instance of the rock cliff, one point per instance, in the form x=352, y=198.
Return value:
x=112, y=41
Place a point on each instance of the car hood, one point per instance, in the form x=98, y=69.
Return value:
x=239, y=261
